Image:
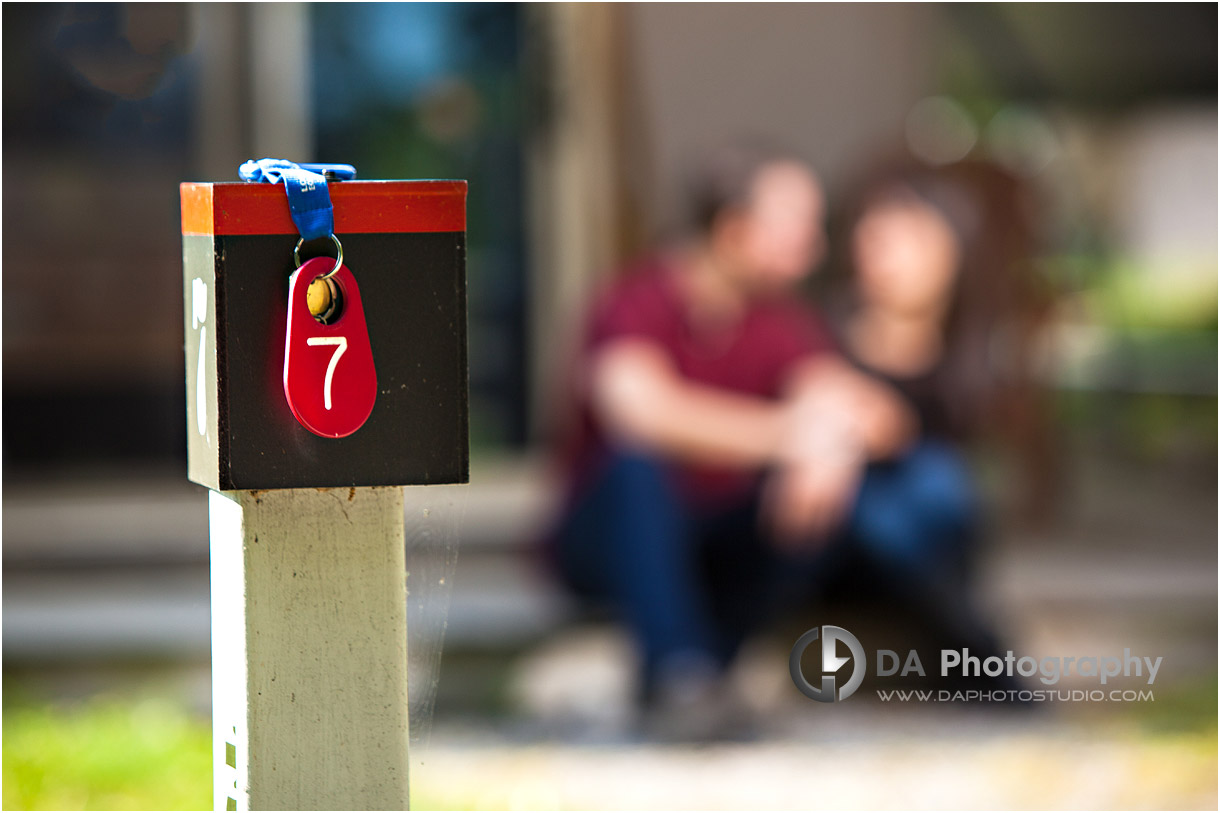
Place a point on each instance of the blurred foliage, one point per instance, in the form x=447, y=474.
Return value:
x=1122, y=294
x=1154, y=298
x=106, y=754
x=1151, y=429
x=1148, y=331
x=1157, y=427
x=1189, y=705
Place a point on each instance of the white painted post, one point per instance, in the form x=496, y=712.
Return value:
x=309, y=649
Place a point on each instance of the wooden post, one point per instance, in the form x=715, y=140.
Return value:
x=309, y=627
x=309, y=649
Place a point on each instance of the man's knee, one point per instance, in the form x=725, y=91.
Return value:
x=634, y=465
x=638, y=477
x=641, y=505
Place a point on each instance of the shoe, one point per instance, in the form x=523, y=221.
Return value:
x=689, y=699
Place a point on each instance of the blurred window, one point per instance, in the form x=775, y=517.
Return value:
x=98, y=115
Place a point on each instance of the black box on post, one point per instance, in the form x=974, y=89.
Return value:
x=405, y=244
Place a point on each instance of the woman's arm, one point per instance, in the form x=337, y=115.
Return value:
x=837, y=405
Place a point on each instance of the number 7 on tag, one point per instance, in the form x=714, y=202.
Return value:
x=340, y=345
x=330, y=394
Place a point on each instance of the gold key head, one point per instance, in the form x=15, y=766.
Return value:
x=322, y=298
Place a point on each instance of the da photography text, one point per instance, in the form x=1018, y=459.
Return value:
x=833, y=683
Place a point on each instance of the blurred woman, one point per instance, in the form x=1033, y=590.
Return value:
x=938, y=291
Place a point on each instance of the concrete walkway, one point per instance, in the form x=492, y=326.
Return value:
x=932, y=764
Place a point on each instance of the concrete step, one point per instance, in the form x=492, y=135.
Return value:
x=118, y=565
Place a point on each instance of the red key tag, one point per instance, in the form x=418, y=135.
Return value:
x=329, y=377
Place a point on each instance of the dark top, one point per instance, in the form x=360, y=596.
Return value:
x=927, y=395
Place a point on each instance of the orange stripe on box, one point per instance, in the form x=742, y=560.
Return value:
x=196, y=208
x=361, y=207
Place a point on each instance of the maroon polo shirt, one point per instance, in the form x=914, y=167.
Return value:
x=753, y=356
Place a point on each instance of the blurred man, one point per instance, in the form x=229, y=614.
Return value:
x=721, y=440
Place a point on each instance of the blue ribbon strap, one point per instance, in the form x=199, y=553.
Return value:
x=308, y=196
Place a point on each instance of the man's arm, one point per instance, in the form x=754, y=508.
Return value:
x=643, y=401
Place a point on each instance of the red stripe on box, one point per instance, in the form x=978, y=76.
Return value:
x=361, y=207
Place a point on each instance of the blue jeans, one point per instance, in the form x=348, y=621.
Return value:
x=697, y=582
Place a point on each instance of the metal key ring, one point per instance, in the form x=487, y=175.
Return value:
x=296, y=255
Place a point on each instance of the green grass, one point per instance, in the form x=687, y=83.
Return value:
x=1188, y=706
x=106, y=754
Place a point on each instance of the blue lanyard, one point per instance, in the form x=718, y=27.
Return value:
x=308, y=198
